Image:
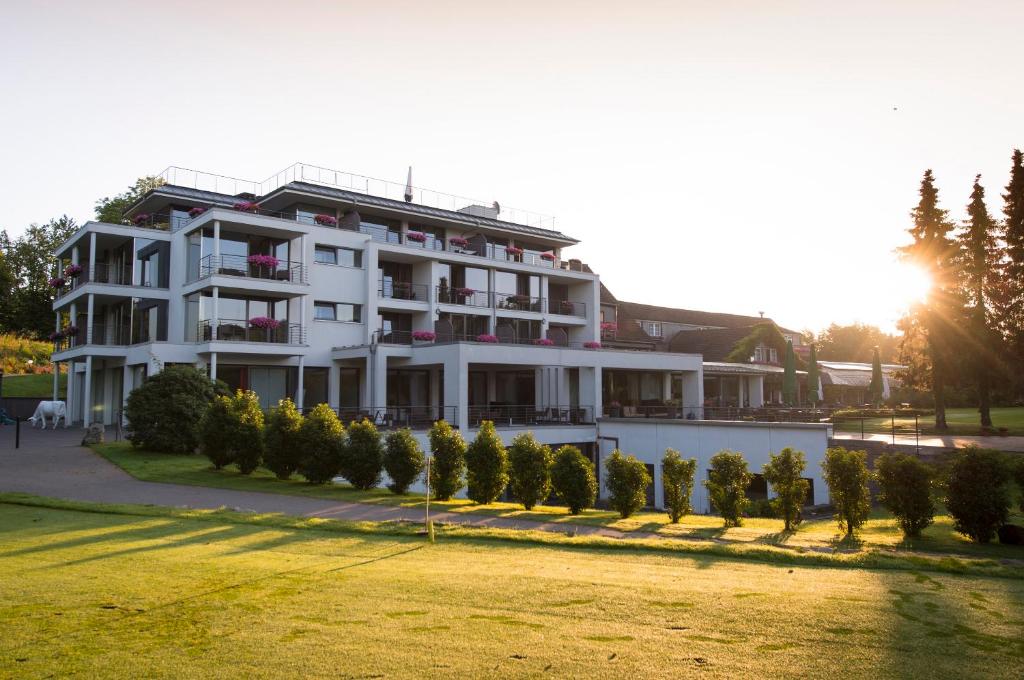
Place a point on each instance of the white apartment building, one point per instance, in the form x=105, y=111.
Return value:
x=384, y=301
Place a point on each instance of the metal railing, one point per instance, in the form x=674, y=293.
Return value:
x=235, y=330
x=108, y=335
x=403, y=290
x=567, y=308
x=112, y=274
x=508, y=415
x=394, y=417
x=238, y=265
x=462, y=296
x=517, y=302
x=392, y=337
x=733, y=413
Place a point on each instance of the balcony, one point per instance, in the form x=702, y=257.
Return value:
x=731, y=413
x=394, y=417
x=507, y=415
x=568, y=308
x=519, y=303
x=285, y=271
x=463, y=296
x=394, y=337
x=103, y=335
x=235, y=330
x=402, y=290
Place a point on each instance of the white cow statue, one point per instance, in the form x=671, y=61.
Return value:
x=50, y=409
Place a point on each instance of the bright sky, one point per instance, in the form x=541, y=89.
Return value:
x=727, y=156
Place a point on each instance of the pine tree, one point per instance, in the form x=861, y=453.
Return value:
x=977, y=254
x=877, y=386
x=933, y=251
x=813, y=377
x=1011, y=304
x=789, y=376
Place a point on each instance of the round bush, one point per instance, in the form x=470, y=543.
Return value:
x=282, y=446
x=905, y=489
x=403, y=460
x=784, y=471
x=246, y=431
x=448, y=464
x=677, y=475
x=165, y=411
x=486, y=465
x=529, y=470
x=977, y=493
x=323, y=438
x=627, y=481
x=363, y=455
x=727, y=484
x=215, y=433
x=846, y=475
x=573, y=479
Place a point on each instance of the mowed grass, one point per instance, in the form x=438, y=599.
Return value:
x=104, y=595
x=961, y=421
x=33, y=385
x=881, y=532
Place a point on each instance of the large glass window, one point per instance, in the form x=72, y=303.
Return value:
x=314, y=386
x=325, y=255
x=408, y=388
x=324, y=311
x=348, y=394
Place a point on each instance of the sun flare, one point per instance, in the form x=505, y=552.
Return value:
x=911, y=284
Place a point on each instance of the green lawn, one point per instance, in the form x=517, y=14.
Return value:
x=961, y=421
x=33, y=385
x=111, y=595
x=880, y=534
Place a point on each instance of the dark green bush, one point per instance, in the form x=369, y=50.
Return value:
x=448, y=460
x=846, y=475
x=246, y=431
x=727, y=484
x=323, y=440
x=762, y=507
x=784, y=472
x=486, y=465
x=978, y=494
x=215, y=433
x=282, y=441
x=165, y=411
x=529, y=470
x=403, y=460
x=362, y=457
x=573, y=479
x=627, y=481
x=677, y=478
x=905, y=489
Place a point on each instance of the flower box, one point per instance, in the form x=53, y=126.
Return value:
x=246, y=206
x=57, y=282
x=592, y=345
x=424, y=336
x=550, y=257
x=417, y=236
x=196, y=211
x=326, y=220
x=458, y=242
x=513, y=251
x=609, y=326
x=72, y=271
x=263, y=261
x=464, y=292
x=70, y=331
x=484, y=337
x=264, y=322
x=56, y=336
x=544, y=342
x=140, y=219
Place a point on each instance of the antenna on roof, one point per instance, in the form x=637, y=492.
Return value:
x=408, y=187
x=762, y=314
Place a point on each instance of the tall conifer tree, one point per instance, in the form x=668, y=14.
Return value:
x=1011, y=298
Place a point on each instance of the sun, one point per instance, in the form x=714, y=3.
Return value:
x=911, y=284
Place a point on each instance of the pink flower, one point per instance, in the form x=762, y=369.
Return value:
x=458, y=241
x=548, y=256
x=57, y=282
x=417, y=236
x=484, y=337
x=513, y=250
x=424, y=336
x=264, y=322
x=326, y=220
x=196, y=211
x=592, y=345
x=609, y=326
x=55, y=336
x=263, y=260
x=70, y=330
x=546, y=342
x=140, y=219
x=465, y=292
x=246, y=206
x=72, y=270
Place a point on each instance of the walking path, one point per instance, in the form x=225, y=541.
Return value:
x=52, y=463
x=944, y=441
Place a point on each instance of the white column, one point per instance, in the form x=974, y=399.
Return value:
x=74, y=255
x=88, y=319
x=300, y=398
x=71, y=391
x=302, y=259
x=666, y=387
x=215, y=313
x=590, y=389
x=92, y=255
x=302, y=319
x=56, y=380
x=213, y=365
x=87, y=392
x=216, y=245
x=334, y=386
x=693, y=394
x=456, y=391
x=756, y=387
x=379, y=379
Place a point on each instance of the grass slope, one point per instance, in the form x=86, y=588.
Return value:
x=33, y=385
x=880, y=534
x=106, y=595
x=961, y=421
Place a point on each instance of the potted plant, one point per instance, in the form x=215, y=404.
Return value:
x=140, y=219
x=196, y=211
x=550, y=257
x=514, y=252
x=57, y=282
x=73, y=271
x=592, y=345
x=520, y=301
x=424, y=337
x=266, y=324
x=544, y=342
x=246, y=206
x=464, y=293
x=486, y=337
x=326, y=220
x=458, y=243
x=56, y=336
x=263, y=266
x=416, y=236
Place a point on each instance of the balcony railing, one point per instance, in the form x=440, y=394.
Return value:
x=392, y=337
x=567, y=308
x=107, y=335
x=766, y=414
x=239, y=265
x=521, y=303
x=463, y=296
x=402, y=290
x=506, y=415
x=393, y=417
x=234, y=330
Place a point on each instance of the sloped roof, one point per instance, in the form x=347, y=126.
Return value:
x=691, y=317
x=714, y=344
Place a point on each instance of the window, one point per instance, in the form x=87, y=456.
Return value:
x=325, y=311
x=337, y=311
x=326, y=255
x=350, y=312
x=775, y=356
x=652, y=328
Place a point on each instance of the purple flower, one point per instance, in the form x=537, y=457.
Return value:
x=196, y=212
x=547, y=256
x=246, y=206
x=484, y=337
x=458, y=241
x=546, y=342
x=72, y=270
x=424, y=336
x=264, y=322
x=57, y=282
x=592, y=345
x=55, y=336
x=140, y=219
x=465, y=292
x=263, y=260
x=326, y=220
x=417, y=236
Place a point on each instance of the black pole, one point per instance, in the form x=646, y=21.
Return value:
x=862, y=428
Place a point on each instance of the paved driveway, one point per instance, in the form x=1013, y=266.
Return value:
x=52, y=463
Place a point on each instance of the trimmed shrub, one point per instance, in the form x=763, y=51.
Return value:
x=529, y=470
x=448, y=464
x=215, y=433
x=783, y=471
x=727, y=484
x=573, y=479
x=978, y=494
x=165, y=411
x=322, y=437
x=246, y=431
x=762, y=507
x=677, y=477
x=403, y=460
x=282, y=441
x=486, y=465
x=905, y=489
x=627, y=481
x=846, y=475
x=362, y=457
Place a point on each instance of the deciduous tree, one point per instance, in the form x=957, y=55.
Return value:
x=448, y=464
x=529, y=470
x=905, y=489
x=727, y=484
x=784, y=472
x=846, y=474
x=677, y=475
x=486, y=465
x=627, y=481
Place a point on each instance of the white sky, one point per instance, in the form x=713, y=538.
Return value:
x=728, y=156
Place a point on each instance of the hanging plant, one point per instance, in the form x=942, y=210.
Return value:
x=70, y=331
x=513, y=250
x=72, y=271
x=548, y=256
x=465, y=292
x=246, y=206
x=140, y=219
x=458, y=241
x=417, y=236
x=263, y=261
x=57, y=282
x=326, y=220
x=56, y=336
x=264, y=322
